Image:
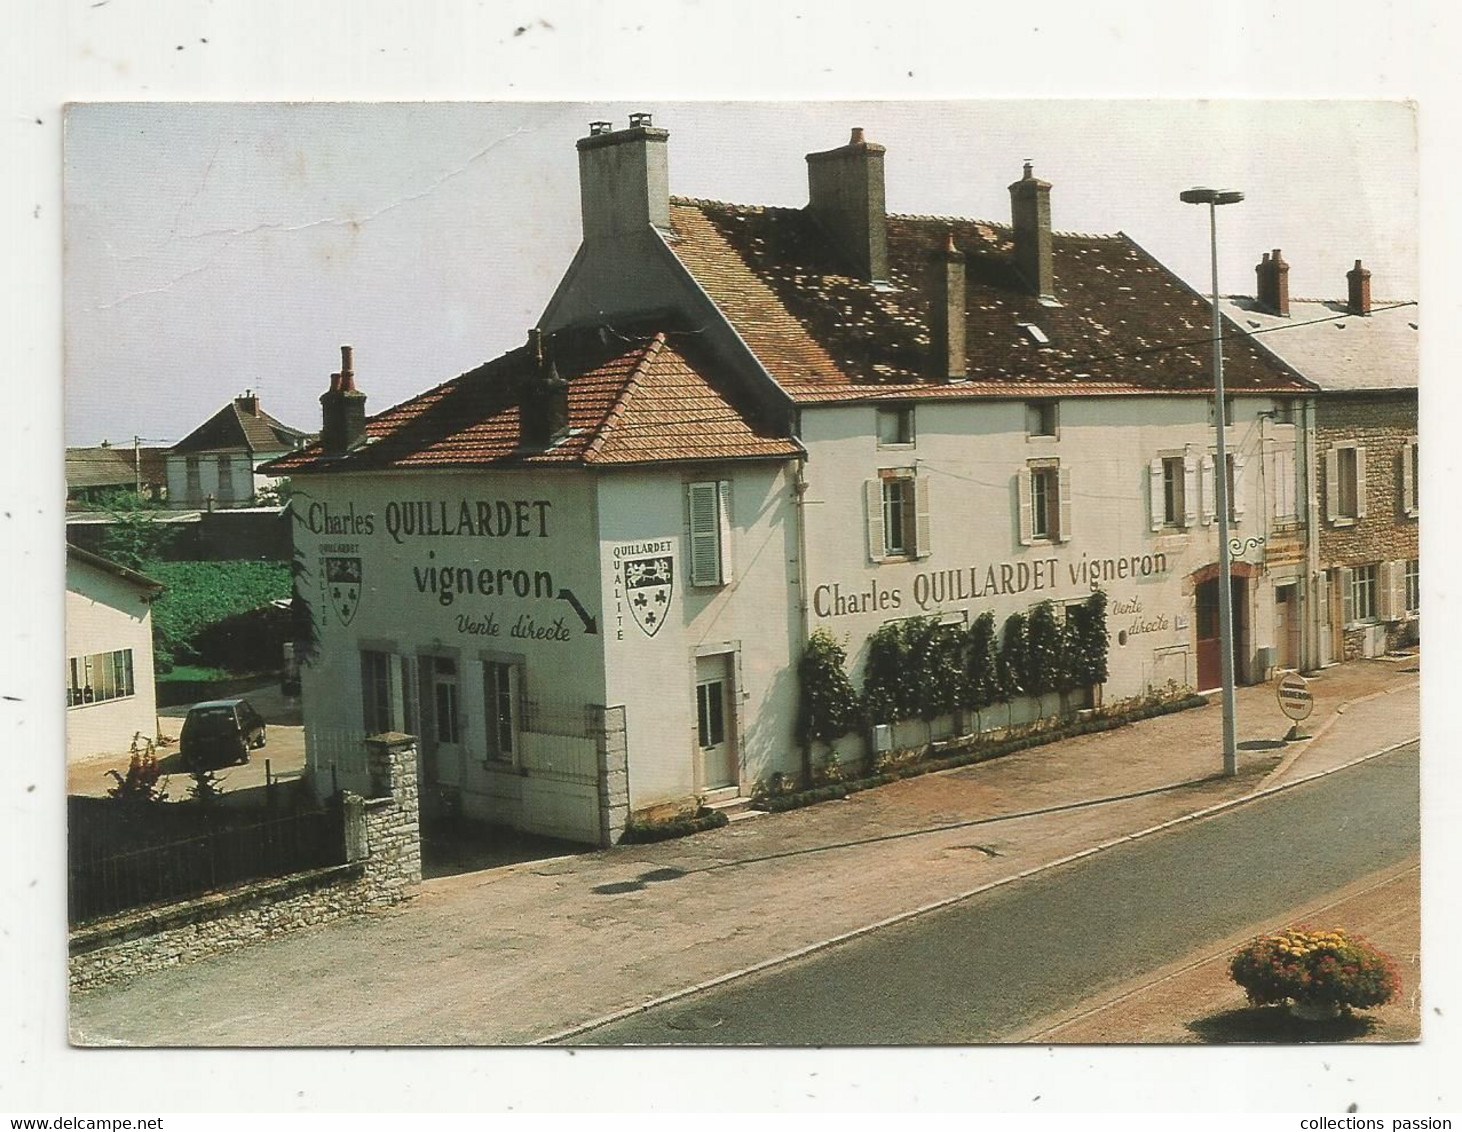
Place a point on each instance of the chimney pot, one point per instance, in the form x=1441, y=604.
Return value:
x=845, y=194
x=1358, y=298
x=947, y=313
x=1272, y=288
x=641, y=119
x=342, y=409
x=624, y=179
x=596, y=128
x=1030, y=223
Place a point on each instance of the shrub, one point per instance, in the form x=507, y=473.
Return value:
x=1014, y=666
x=199, y=594
x=890, y=685
x=644, y=832
x=140, y=785
x=1315, y=968
x=936, y=665
x=828, y=708
x=1043, y=661
x=982, y=665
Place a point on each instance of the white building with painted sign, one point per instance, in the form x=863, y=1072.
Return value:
x=585, y=571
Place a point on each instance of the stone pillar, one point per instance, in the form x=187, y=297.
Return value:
x=392, y=816
x=612, y=746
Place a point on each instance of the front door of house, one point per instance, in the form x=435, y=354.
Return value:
x=1286, y=627
x=445, y=717
x=715, y=739
x=1210, y=656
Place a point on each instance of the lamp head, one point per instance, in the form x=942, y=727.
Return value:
x=1210, y=196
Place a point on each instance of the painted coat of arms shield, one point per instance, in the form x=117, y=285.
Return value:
x=343, y=581
x=648, y=584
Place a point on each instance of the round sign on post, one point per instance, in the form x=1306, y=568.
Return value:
x=1295, y=699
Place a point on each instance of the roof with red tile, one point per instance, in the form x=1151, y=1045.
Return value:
x=631, y=400
x=1123, y=322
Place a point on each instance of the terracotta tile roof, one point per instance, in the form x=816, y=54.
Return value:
x=1124, y=323
x=238, y=428
x=631, y=400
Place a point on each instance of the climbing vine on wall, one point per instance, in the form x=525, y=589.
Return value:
x=829, y=707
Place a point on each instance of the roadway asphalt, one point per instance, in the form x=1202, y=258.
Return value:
x=979, y=970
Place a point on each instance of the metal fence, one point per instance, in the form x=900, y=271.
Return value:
x=102, y=881
x=559, y=740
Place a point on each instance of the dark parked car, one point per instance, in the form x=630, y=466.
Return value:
x=220, y=732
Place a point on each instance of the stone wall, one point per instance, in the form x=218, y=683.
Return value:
x=383, y=867
x=1383, y=424
x=613, y=751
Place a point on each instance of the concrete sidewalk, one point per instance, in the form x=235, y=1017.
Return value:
x=536, y=950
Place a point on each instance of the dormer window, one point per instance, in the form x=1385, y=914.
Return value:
x=1035, y=334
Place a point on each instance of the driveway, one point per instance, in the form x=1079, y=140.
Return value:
x=283, y=756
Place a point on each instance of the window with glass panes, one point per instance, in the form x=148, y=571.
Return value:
x=100, y=676
x=1413, y=586
x=1363, y=591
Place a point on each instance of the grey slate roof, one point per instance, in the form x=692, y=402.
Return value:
x=1340, y=352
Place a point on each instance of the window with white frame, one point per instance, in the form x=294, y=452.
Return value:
x=1041, y=418
x=1284, y=410
x=1411, y=478
x=100, y=676
x=898, y=515
x=1413, y=586
x=1234, y=483
x=502, y=696
x=895, y=425
x=708, y=505
x=375, y=692
x=1043, y=488
x=1173, y=490
x=1345, y=483
x=1285, y=488
x=1361, y=600
x=1228, y=412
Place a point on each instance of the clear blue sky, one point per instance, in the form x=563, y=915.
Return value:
x=212, y=248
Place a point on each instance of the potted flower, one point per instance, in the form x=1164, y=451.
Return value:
x=1320, y=973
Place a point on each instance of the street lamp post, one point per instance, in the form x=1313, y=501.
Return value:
x=1213, y=198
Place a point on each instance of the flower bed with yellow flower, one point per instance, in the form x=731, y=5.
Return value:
x=1314, y=968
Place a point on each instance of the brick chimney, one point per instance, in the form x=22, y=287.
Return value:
x=624, y=178
x=1359, y=290
x=947, y=313
x=845, y=194
x=1272, y=287
x=247, y=402
x=544, y=402
x=342, y=409
x=1030, y=219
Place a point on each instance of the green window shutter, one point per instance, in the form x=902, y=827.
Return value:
x=705, y=534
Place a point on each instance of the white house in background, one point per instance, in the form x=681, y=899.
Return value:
x=585, y=572
x=110, y=694
x=216, y=465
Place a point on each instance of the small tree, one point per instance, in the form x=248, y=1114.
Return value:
x=936, y=667
x=982, y=667
x=890, y=691
x=136, y=534
x=1014, y=668
x=828, y=708
x=1095, y=642
x=207, y=788
x=1043, y=654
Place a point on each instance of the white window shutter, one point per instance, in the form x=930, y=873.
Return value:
x=1023, y=504
x=1347, y=599
x=1322, y=598
x=723, y=492
x=1205, y=474
x=705, y=534
x=1284, y=485
x=1236, y=504
x=1332, y=485
x=1063, y=480
x=1360, y=481
x=1408, y=481
x=1190, y=491
x=923, y=539
x=1397, y=591
x=1156, y=502
x=873, y=496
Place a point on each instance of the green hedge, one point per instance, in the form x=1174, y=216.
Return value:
x=975, y=754
x=200, y=594
x=641, y=833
